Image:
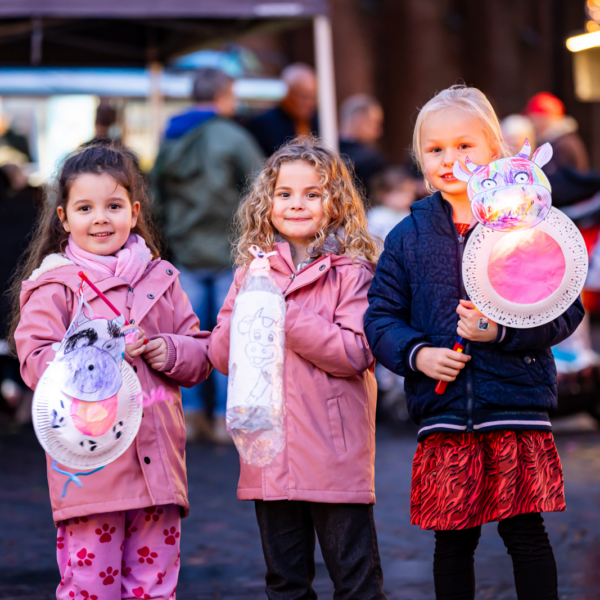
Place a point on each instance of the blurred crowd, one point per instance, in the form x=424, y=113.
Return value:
x=206, y=156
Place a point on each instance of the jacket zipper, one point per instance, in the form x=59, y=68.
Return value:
x=461, y=239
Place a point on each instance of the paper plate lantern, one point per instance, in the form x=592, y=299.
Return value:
x=509, y=193
x=525, y=277
x=85, y=407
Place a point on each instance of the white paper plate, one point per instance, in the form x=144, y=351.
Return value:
x=67, y=444
x=523, y=316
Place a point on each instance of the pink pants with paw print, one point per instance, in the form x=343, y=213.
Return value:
x=120, y=555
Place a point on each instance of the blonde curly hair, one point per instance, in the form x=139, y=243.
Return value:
x=343, y=206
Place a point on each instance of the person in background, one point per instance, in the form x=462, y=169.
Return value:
x=295, y=114
x=551, y=124
x=361, y=123
x=199, y=174
x=394, y=190
x=515, y=130
x=11, y=138
x=106, y=117
x=19, y=204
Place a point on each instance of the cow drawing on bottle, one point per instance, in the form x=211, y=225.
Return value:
x=262, y=350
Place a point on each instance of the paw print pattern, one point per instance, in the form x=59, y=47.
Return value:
x=85, y=558
x=125, y=570
x=129, y=529
x=77, y=520
x=105, y=533
x=59, y=543
x=109, y=576
x=85, y=594
x=153, y=513
x=72, y=594
x=171, y=536
x=160, y=577
x=139, y=593
x=146, y=555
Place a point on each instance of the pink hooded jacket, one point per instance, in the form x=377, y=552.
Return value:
x=329, y=384
x=152, y=470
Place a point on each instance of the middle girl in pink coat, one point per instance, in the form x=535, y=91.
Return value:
x=304, y=206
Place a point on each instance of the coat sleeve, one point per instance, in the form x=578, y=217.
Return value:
x=44, y=321
x=544, y=336
x=339, y=348
x=187, y=360
x=387, y=321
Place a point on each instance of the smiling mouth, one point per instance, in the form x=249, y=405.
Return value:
x=101, y=235
x=258, y=361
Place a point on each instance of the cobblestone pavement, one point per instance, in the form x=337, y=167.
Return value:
x=221, y=553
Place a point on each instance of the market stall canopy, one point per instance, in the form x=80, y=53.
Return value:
x=132, y=32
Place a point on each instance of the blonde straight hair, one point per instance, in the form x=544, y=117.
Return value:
x=466, y=98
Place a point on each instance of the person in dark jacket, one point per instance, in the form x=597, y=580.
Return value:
x=486, y=451
x=197, y=180
x=553, y=125
x=361, y=120
x=296, y=113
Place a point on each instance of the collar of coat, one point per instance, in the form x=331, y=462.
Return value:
x=282, y=262
x=57, y=268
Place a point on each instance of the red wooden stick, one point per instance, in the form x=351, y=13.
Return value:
x=459, y=346
x=108, y=303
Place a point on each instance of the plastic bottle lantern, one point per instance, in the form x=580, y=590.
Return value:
x=255, y=400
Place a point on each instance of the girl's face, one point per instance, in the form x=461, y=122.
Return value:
x=297, y=211
x=99, y=214
x=451, y=135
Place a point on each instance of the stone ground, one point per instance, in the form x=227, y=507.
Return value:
x=221, y=553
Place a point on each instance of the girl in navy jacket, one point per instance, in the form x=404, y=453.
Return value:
x=486, y=451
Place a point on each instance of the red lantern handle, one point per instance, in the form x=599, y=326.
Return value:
x=84, y=278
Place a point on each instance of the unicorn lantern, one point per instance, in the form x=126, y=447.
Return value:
x=510, y=193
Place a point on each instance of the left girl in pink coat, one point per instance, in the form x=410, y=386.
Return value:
x=118, y=535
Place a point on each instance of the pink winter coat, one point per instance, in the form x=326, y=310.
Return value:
x=329, y=384
x=152, y=470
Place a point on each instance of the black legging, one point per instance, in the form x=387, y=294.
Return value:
x=528, y=545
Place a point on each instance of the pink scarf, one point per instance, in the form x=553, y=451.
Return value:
x=128, y=263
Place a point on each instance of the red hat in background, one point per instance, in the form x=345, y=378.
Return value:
x=545, y=103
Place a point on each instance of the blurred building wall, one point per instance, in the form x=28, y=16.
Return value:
x=403, y=51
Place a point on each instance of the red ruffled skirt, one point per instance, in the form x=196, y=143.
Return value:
x=463, y=480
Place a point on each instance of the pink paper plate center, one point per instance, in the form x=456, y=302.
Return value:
x=526, y=266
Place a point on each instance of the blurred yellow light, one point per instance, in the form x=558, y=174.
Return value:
x=592, y=26
x=584, y=41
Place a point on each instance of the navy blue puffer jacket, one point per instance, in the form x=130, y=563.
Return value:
x=508, y=384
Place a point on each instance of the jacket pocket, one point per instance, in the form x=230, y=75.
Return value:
x=337, y=428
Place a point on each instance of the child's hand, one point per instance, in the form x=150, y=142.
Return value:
x=139, y=347
x=156, y=353
x=471, y=324
x=441, y=364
